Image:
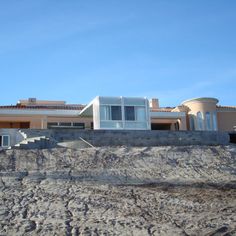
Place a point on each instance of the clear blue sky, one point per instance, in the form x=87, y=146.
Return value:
x=74, y=50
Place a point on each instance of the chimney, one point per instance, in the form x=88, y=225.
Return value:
x=154, y=103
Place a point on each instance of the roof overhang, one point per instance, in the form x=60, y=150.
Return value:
x=202, y=99
x=167, y=115
x=88, y=110
x=46, y=112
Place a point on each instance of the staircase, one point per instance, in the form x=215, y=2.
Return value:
x=23, y=134
x=39, y=142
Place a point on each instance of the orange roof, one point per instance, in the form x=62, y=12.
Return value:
x=162, y=109
x=59, y=107
x=234, y=107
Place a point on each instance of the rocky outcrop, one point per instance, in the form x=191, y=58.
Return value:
x=188, y=190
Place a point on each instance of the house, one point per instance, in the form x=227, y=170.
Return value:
x=42, y=114
x=116, y=113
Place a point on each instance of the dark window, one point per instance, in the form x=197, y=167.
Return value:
x=191, y=121
x=5, y=140
x=65, y=124
x=79, y=125
x=52, y=124
x=116, y=113
x=129, y=113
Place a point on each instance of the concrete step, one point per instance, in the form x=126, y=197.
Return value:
x=23, y=134
x=32, y=143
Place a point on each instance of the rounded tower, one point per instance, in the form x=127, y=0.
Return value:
x=202, y=113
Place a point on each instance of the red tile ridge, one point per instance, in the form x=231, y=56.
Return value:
x=61, y=107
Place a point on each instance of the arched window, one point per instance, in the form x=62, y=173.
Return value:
x=200, y=121
x=177, y=125
x=214, y=121
x=208, y=121
x=191, y=122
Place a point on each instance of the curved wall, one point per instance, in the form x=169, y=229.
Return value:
x=202, y=113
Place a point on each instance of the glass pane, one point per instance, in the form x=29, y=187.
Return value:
x=192, y=125
x=65, y=124
x=129, y=113
x=105, y=113
x=214, y=119
x=52, y=124
x=110, y=100
x=199, y=121
x=111, y=125
x=79, y=125
x=134, y=101
x=208, y=121
x=116, y=113
x=136, y=125
x=5, y=140
x=140, y=114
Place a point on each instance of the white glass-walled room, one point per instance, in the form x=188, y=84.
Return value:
x=121, y=113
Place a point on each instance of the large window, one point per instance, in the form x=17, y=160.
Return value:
x=76, y=125
x=135, y=113
x=105, y=113
x=200, y=121
x=140, y=113
x=116, y=113
x=122, y=113
x=110, y=113
x=129, y=113
x=208, y=121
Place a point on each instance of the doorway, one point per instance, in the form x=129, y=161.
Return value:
x=164, y=126
x=14, y=125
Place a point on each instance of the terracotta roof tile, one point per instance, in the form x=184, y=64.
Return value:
x=234, y=107
x=61, y=107
x=162, y=109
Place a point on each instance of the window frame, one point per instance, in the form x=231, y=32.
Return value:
x=110, y=115
x=119, y=114
x=134, y=118
x=208, y=120
x=142, y=117
x=214, y=121
x=136, y=107
x=77, y=125
x=8, y=140
x=192, y=123
x=200, y=121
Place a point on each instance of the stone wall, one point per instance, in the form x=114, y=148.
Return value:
x=135, y=138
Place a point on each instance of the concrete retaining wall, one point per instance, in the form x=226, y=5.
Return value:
x=15, y=135
x=135, y=138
